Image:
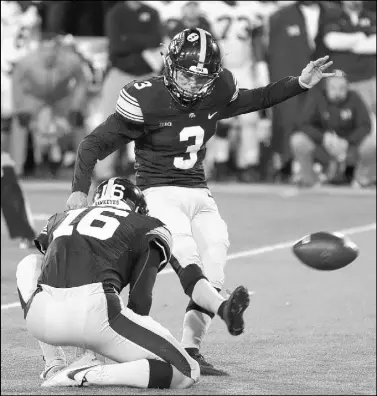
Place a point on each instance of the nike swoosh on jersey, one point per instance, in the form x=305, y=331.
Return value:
x=211, y=115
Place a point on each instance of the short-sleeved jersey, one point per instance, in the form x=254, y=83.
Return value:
x=98, y=244
x=171, y=149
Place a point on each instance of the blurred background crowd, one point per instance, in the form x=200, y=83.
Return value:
x=64, y=62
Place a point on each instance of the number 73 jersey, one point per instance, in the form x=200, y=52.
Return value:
x=170, y=147
x=232, y=27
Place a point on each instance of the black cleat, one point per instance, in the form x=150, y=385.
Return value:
x=234, y=308
x=205, y=367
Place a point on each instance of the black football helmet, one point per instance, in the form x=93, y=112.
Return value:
x=120, y=193
x=194, y=58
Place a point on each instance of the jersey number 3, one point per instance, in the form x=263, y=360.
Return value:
x=187, y=132
x=85, y=226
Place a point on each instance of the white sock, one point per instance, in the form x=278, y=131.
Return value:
x=52, y=353
x=196, y=324
x=134, y=374
x=195, y=327
x=127, y=374
x=82, y=351
x=207, y=296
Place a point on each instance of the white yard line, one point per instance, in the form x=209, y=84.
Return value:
x=41, y=216
x=252, y=252
x=9, y=306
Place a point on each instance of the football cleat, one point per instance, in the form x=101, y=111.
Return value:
x=234, y=308
x=74, y=374
x=205, y=367
x=51, y=370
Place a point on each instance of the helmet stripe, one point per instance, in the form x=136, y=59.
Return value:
x=109, y=187
x=203, y=47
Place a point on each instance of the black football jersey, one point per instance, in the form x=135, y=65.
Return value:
x=98, y=244
x=171, y=149
x=170, y=142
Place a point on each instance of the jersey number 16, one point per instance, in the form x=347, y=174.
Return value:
x=85, y=226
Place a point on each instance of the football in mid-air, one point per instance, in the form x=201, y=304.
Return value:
x=325, y=251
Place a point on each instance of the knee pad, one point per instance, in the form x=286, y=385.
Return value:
x=24, y=119
x=189, y=276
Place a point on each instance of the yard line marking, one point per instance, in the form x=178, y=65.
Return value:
x=41, y=216
x=284, y=245
x=9, y=306
x=253, y=252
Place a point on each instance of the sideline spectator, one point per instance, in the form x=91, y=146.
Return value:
x=350, y=36
x=295, y=34
x=14, y=205
x=56, y=16
x=335, y=124
x=20, y=30
x=235, y=150
x=190, y=18
x=50, y=87
x=134, y=31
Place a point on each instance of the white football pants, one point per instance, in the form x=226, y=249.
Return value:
x=94, y=317
x=200, y=235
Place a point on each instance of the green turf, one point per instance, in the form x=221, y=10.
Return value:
x=308, y=333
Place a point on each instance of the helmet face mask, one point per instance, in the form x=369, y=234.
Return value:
x=121, y=193
x=192, y=65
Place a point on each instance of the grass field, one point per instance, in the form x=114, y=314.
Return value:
x=308, y=332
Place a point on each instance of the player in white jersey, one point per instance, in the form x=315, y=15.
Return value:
x=18, y=26
x=178, y=15
x=166, y=9
x=233, y=27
